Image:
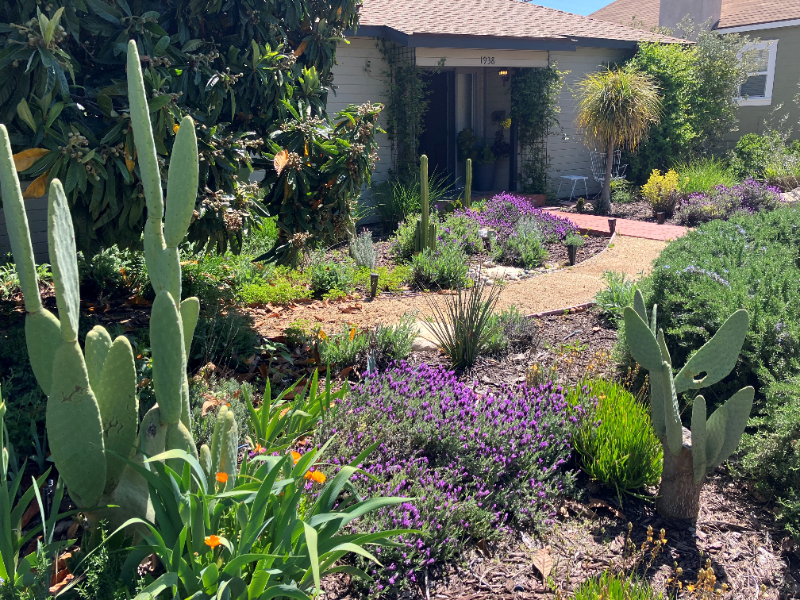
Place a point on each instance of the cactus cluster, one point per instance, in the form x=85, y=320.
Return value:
x=92, y=408
x=714, y=439
x=425, y=234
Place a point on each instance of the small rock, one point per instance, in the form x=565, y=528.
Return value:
x=490, y=282
x=421, y=344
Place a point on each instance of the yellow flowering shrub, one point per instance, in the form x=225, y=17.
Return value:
x=661, y=191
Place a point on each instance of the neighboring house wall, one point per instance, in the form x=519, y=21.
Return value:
x=36, y=210
x=570, y=156
x=785, y=87
x=360, y=77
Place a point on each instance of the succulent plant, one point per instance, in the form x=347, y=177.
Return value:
x=468, y=185
x=223, y=455
x=691, y=455
x=92, y=408
x=425, y=234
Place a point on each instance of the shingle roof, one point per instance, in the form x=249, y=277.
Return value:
x=495, y=18
x=624, y=11
x=735, y=13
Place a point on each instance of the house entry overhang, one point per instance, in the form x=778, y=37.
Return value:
x=481, y=57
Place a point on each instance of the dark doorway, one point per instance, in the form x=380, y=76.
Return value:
x=438, y=138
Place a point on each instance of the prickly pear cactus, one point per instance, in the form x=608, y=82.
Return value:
x=92, y=409
x=692, y=455
x=223, y=454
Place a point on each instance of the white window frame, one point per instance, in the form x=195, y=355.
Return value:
x=766, y=100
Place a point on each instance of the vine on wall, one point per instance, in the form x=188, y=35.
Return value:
x=406, y=106
x=535, y=108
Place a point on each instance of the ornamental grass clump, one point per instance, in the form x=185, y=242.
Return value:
x=477, y=466
x=616, y=444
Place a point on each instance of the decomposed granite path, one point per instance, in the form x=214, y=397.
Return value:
x=559, y=289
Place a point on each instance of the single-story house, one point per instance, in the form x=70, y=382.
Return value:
x=469, y=50
x=776, y=24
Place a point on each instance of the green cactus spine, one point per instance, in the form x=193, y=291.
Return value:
x=691, y=455
x=425, y=233
x=92, y=411
x=223, y=455
x=468, y=185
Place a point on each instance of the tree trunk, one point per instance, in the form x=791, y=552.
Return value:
x=679, y=495
x=605, y=197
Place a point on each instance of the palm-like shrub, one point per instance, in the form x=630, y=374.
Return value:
x=616, y=109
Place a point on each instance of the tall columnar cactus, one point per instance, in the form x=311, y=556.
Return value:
x=92, y=408
x=425, y=234
x=468, y=185
x=689, y=455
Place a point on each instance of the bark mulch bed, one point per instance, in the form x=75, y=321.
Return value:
x=736, y=530
x=635, y=211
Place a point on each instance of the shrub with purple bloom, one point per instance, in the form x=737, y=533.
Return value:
x=503, y=212
x=724, y=201
x=475, y=465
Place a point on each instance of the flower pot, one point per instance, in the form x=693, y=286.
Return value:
x=483, y=177
x=572, y=251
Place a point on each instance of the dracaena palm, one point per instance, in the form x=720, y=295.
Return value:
x=616, y=108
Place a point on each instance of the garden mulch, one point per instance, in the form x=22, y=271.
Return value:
x=549, y=291
x=736, y=530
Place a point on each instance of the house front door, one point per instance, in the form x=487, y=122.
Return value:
x=438, y=137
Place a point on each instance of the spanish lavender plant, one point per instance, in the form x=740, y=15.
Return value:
x=724, y=201
x=504, y=211
x=477, y=465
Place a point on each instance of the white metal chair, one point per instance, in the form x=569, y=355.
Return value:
x=599, y=166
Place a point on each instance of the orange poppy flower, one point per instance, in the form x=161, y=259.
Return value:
x=212, y=541
x=175, y=128
x=259, y=449
x=322, y=335
x=317, y=476
x=352, y=333
x=222, y=477
x=296, y=456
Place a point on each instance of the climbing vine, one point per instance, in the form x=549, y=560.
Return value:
x=406, y=106
x=535, y=109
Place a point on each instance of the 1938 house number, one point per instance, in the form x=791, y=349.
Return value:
x=487, y=60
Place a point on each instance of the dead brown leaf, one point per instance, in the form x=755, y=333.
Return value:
x=598, y=503
x=544, y=562
x=351, y=308
x=211, y=402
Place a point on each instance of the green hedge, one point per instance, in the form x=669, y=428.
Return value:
x=752, y=262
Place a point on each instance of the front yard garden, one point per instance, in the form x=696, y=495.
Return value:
x=169, y=431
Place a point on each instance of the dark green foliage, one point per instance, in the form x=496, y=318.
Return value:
x=254, y=77
x=748, y=262
x=698, y=86
x=616, y=443
x=406, y=106
x=102, y=569
x=446, y=267
x=534, y=111
x=771, y=456
x=753, y=152
x=111, y=271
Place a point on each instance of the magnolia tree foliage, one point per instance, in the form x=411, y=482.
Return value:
x=253, y=74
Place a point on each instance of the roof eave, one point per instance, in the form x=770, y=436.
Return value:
x=431, y=40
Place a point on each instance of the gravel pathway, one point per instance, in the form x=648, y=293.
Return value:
x=561, y=289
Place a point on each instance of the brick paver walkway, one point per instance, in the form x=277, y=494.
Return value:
x=639, y=229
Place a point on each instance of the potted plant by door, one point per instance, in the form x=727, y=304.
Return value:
x=573, y=241
x=483, y=159
x=484, y=168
